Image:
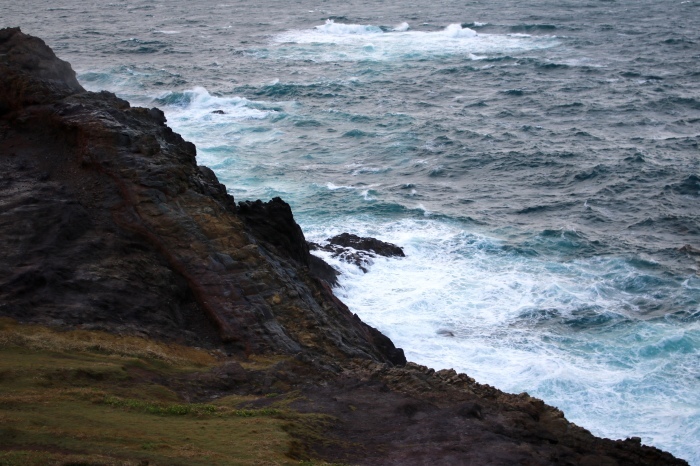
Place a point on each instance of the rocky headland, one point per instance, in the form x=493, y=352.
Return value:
x=107, y=224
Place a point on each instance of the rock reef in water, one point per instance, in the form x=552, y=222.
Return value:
x=357, y=250
x=107, y=222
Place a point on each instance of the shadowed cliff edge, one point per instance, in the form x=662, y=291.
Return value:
x=108, y=224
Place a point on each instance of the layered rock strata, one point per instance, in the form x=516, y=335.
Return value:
x=108, y=221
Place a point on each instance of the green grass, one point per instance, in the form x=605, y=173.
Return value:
x=94, y=398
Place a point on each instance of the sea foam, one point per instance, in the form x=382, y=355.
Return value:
x=345, y=42
x=456, y=31
x=333, y=28
x=577, y=334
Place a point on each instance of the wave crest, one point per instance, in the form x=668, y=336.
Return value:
x=331, y=27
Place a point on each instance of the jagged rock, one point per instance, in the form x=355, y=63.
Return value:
x=21, y=56
x=372, y=245
x=107, y=221
x=357, y=250
x=323, y=271
x=273, y=221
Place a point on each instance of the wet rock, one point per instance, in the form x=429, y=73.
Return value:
x=358, y=250
x=323, y=271
x=371, y=245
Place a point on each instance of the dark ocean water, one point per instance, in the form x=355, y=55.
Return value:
x=538, y=161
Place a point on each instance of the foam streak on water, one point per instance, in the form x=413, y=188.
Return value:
x=538, y=161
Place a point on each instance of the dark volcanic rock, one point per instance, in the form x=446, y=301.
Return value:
x=273, y=221
x=23, y=55
x=106, y=221
x=374, y=245
x=416, y=416
x=358, y=250
x=323, y=271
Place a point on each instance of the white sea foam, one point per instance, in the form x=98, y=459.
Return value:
x=403, y=27
x=225, y=129
x=335, y=29
x=199, y=104
x=562, y=331
x=456, y=31
x=342, y=42
x=335, y=187
x=366, y=195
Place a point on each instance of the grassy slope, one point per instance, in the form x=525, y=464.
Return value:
x=85, y=397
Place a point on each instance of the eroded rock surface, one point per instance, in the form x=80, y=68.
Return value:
x=107, y=221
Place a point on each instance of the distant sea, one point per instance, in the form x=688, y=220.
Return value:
x=538, y=161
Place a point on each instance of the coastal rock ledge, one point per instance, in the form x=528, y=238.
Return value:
x=107, y=223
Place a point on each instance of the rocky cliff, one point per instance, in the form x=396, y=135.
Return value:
x=107, y=222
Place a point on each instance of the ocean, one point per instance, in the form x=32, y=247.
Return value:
x=538, y=161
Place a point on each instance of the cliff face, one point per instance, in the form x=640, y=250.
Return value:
x=107, y=222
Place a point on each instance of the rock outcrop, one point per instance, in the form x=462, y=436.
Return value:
x=358, y=250
x=107, y=222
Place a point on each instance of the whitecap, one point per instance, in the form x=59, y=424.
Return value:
x=333, y=28
x=456, y=31
x=403, y=27
x=349, y=42
x=334, y=187
x=198, y=103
